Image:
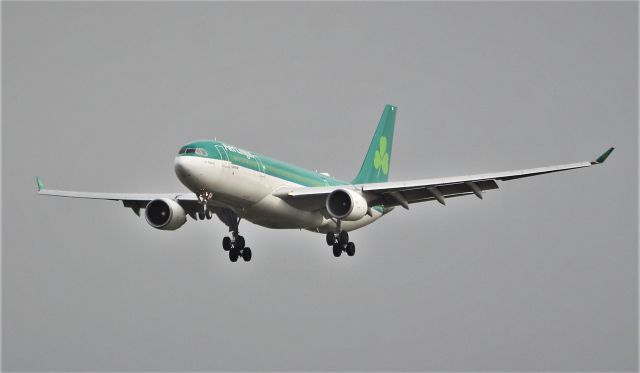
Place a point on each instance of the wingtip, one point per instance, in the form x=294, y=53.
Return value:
x=39, y=184
x=603, y=157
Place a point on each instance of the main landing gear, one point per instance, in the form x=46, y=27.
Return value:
x=340, y=242
x=235, y=244
x=236, y=248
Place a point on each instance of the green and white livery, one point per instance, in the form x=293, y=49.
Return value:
x=236, y=184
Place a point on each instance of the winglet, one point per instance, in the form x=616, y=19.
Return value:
x=39, y=184
x=603, y=157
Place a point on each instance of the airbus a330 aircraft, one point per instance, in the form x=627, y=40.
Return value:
x=237, y=184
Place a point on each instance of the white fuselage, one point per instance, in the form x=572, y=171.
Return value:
x=249, y=194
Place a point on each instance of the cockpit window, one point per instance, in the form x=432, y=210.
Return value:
x=198, y=151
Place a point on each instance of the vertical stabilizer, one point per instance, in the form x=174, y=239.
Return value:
x=377, y=162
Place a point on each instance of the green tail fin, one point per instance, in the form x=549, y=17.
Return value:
x=377, y=162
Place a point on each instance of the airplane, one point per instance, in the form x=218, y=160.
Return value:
x=237, y=184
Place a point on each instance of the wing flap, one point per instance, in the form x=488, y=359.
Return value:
x=425, y=193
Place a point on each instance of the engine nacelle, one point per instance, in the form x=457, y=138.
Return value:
x=165, y=214
x=346, y=204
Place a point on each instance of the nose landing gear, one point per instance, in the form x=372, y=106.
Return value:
x=205, y=214
x=203, y=199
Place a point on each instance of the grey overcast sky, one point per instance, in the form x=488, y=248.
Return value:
x=540, y=275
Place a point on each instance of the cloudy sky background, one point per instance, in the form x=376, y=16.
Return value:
x=540, y=275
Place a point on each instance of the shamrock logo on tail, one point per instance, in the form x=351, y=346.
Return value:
x=381, y=159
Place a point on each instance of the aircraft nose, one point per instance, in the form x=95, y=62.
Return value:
x=181, y=166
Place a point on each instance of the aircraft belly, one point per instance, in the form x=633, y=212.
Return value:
x=348, y=226
x=273, y=212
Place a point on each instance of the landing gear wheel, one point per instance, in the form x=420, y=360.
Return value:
x=351, y=249
x=234, y=243
x=208, y=214
x=233, y=254
x=239, y=244
x=200, y=215
x=343, y=237
x=337, y=250
x=226, y=243
x=331, y=238
x=246, y=254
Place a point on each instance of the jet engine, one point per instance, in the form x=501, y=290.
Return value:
x=346, y=204
x=165, y=214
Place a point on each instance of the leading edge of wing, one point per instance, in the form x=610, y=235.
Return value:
x=421, y=183
x=112, y=196
x=502, y=176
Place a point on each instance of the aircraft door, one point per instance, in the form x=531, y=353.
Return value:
x=261, y=167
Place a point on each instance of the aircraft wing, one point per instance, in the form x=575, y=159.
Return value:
x=135, y=201
x=403, y=193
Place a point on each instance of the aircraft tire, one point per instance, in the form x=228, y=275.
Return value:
x=343, y=238
x=331, y=239
x=337, y=250
x=233, y=255
x=246, y=254
x=239, y=244
x=200, y=215
x=351, y=249
x=226, y=243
